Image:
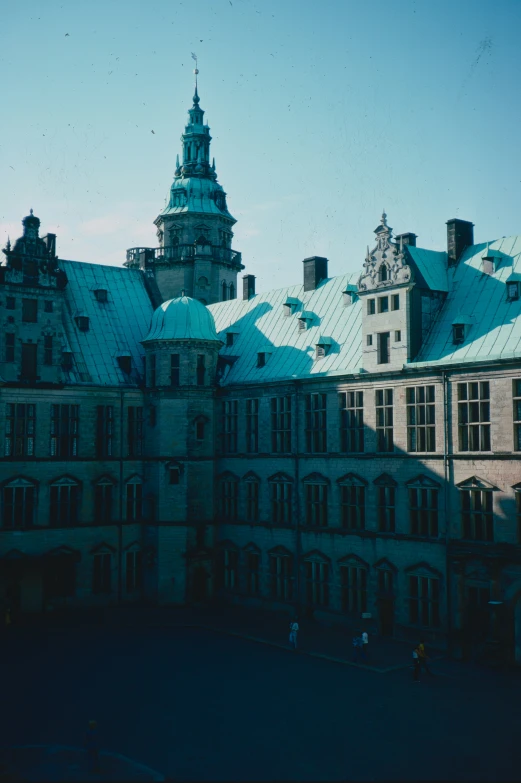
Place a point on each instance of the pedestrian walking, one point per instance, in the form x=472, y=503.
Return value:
x=293, y=631
x=423, y=658
x=416, y=665
x=365, y=645
x=357, y=648
x=91, y=745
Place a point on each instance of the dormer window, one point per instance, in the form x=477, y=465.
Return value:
x=458, y=333
x=261, y=359
x=305, y=321
x=67, y=360
x=322, y=347
x=290, y=305
x=83, y=323
x=490, y=262
x=101, y=294
x=512, y=291
x=125, y=363
x=349, y=294
x=229, y=339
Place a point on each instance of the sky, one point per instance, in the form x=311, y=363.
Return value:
x=322, y=114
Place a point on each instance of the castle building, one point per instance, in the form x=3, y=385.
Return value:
x=349, y=446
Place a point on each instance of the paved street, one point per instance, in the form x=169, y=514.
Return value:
x=195, y=704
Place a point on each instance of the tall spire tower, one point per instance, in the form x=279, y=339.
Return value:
x=194, y=229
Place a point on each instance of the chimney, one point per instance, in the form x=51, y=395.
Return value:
x=460, y=235
x=248, y=287
x=315, y=270
x=49, y=241
x=406, y=239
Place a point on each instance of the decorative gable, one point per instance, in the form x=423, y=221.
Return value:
x=385, y=565
x=316, y=556
x=280, y=476
x=423, y=569
x=315, y=478
x=385, y=480
x=385, y=265
x=250, y=476
x=422, y=481
x=351, y=479
x=353, y=560
x=474, y=482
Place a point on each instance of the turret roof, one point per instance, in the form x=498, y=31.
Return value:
x=182, y=318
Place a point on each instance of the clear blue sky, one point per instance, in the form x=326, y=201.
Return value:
x=321, y=113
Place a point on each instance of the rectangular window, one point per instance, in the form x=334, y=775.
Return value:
x=395, y=302
x=230, y=419
x=421, y=418
x=386, y=509
x=227, y=569
x=229, y=497
x=101, y=573
x=9, y=347
x=174, y=370
x=64, y=505
x=30, y=310
x=517, y=413
x=151, y=365
x=104, y=430
x=352, y=506
x=371, y=306
x=19, y=505
x=20, y=426
x=47, y=350
x=369, y=339
x=316, y=423
x=134, y=571
x=253, y=573
x=424, y=601
x=423, y=504
x=316, y=505
x=48, y=306
x=252, y=501
x=261, y=359
x=474, y=416
x=252, y=426
x=65, y=422
x=10, y=303
x=384, y=339
x=201, y=370
x=397, y=336
x=134, y=502
x=383, y=304
x=477, y=516
x=384, y=420
x=29, y=361
x=281, y=493
x=281, y=583
x=353, y=583
x=351, y=421
x=135, y=430
x=317, y=583
x=281, y=425
x=174, y=475
x=229, y=339
x=103, y=496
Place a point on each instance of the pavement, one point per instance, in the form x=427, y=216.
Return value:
x=220, y=695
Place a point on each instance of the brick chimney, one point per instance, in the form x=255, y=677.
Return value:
x=248, y=287
x=315, y=270
x=460, y=235
x=406, y=239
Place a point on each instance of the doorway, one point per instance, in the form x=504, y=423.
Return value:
x=386, y=616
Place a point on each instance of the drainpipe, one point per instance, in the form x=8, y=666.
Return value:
x=446, y=477
x=298, y=541
x=120, y=521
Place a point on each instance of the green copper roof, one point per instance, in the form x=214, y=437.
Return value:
x=195, y=194
x=182, y=318
x=432, y=266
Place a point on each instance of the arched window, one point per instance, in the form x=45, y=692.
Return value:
x=317, y=570
x=232, y=291
x=225, y=292
x=383, y=274
x=353, y=584
x=103, y=499
x=19, y=500
x=133, y=568
x=202, y=282
x=64, y=502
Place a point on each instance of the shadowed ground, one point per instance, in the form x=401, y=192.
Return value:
x=197, y=704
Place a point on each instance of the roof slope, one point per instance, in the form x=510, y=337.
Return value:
x=115, y=327
x=260, y=325
x=432, y=266
x=495, y=332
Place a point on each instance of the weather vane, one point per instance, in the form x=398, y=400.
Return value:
x=196, y=70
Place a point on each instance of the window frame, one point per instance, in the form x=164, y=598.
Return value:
x=474, y=434
x=352, y=429
x=420, y=402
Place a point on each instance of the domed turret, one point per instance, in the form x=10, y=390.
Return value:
x=182, y=318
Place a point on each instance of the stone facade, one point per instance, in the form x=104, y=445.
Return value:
x=172, y=469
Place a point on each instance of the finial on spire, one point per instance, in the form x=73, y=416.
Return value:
x=196, y=71
x=31, y=211
x=383, y=219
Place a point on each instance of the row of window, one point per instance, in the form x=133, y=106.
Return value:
x=474, y=420
x=20, y=430
x=29, y=306
x=61, y=582
x=19, y=502
x=352, y=499
x=175, y=371
x=241, y=572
